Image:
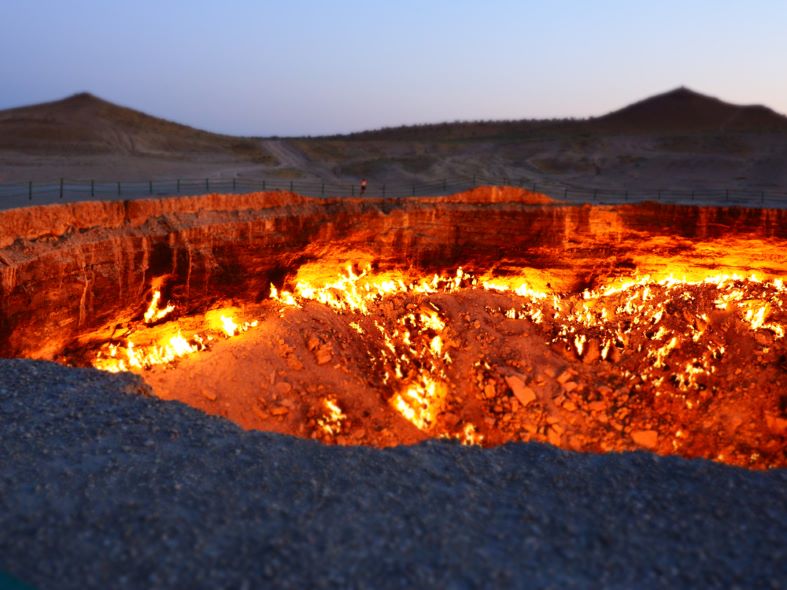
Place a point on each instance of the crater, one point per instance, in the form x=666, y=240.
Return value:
x=487, y=317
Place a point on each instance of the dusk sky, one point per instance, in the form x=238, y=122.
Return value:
x=311, y=67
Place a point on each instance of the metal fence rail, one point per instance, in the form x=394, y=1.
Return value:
x=22, y=194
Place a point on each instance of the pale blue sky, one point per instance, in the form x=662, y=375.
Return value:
x=309, y=67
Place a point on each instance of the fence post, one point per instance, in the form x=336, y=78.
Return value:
x=92, y=188
x=30, y=190
x=61, y=188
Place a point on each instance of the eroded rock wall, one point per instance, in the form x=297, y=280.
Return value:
x=69, y=269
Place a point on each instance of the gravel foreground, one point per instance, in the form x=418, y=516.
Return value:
x=101, y=487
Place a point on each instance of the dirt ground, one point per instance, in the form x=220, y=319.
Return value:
x=499, y=376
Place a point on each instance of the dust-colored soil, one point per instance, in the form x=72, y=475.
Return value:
x=507, y=379
x=680, y=139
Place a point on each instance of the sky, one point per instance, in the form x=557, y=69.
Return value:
x=310, y=67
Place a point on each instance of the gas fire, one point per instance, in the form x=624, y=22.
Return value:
x=642, y=356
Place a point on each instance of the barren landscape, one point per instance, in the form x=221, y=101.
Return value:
x=491, y=388
x=680, y=139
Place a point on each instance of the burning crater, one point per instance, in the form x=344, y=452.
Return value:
x=486, y=317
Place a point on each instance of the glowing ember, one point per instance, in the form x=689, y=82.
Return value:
x=331, y=421
x=153, y=313
x=166, y=343
x=658, y=346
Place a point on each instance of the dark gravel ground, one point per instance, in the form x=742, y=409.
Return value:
x=103, y=488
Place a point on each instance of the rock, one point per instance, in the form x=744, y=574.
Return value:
x=324, y=354
x=280, y=411
x=598, y=406
x=569, y=386
x=210, y=395
x=592, y=352
x=283, y=387
x=523, y=393
x=312, y=342
x=489, y=390
x=645, y=438
x=566, y=376
x=450, y=419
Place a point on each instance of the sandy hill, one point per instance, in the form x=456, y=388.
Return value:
x=679, y=111
x=85, y=124
x=683, y=110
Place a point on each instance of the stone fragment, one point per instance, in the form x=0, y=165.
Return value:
x=523, y=393
x=209, y=395
x=283, y=387
x=280, y=411
x=598, y=406
x=645, y=438
x=324, y=354
x=566, y=376
x=592, y=352
x=553, y=436
x=569, y=386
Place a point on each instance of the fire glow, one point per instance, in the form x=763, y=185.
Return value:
x=662, y=338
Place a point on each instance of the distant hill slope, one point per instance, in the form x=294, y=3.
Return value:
x=683, y=110
x=85, y=124
x=678, y=111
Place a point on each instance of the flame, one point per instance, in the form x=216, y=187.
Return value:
x=331, y=421
x=153, y=313
x=165, y=344
x=661, y=329
x=414, y=357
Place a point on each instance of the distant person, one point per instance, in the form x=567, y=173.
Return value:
x=363, y=186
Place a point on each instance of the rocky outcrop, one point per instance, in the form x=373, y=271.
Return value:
x=69, y=269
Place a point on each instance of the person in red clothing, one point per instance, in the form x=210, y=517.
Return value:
x=363, y=186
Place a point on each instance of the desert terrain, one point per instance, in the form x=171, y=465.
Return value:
x=485, y=389
x=680, y=139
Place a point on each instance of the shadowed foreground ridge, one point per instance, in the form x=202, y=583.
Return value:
x=103, y=487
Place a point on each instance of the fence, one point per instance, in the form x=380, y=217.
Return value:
x=23, y=194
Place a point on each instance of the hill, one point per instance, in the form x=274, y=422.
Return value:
x=85, y=124
x=684, y=111
x=679, y=111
